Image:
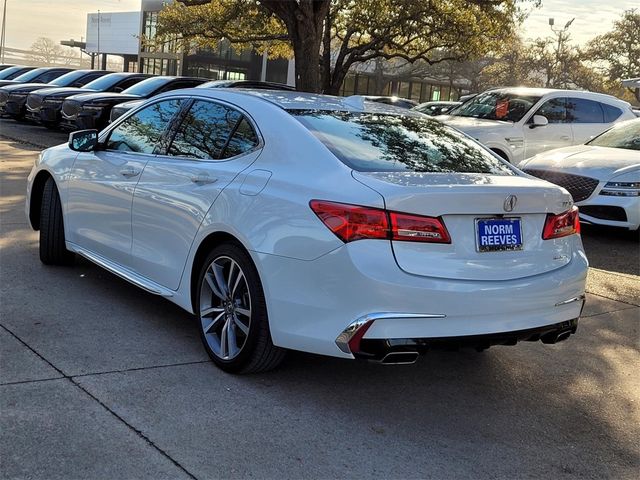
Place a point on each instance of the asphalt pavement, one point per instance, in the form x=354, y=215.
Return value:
x=99, y=379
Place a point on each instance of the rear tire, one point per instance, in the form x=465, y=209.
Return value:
x=53, y=250
x=232, y=313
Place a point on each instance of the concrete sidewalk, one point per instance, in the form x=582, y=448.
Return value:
x=102, y=380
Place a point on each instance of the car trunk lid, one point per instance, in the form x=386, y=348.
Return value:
x=463, y=201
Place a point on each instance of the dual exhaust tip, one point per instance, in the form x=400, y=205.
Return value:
x=399, y=358
x=408, y=358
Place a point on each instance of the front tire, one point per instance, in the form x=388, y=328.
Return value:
x=53, y=250
x=232, y=313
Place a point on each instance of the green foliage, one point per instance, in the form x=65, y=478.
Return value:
x=351, y=31
x=616, y=54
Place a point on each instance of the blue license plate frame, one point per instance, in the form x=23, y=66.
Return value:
x=498, y=234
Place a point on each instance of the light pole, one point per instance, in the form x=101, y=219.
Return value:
x=98, y=40
x=563, y=36
x=3, y=47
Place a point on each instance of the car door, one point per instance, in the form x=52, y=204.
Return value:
x=556, y=134
x=586, y=118
x=211, y=146
x=101, y=185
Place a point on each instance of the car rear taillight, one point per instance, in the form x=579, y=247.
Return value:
x=354, y=222
x=416, y=228
x=566, y=223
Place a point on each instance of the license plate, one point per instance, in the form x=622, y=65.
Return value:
x=498, y=234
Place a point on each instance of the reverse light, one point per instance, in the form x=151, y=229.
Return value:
x=354, y=222
x=562, y=225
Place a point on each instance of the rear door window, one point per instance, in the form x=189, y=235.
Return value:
x=141, y=132
x=204, y=131
x=373, y=142
x=581, y=110
x=243, y=140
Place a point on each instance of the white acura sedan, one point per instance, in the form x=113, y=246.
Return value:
x=603, y=175
x=336, y=226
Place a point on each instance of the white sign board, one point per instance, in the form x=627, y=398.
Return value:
x=115, y=33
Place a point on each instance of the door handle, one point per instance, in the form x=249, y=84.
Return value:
x=203, y=179
x=129, y=172
x=565, y=137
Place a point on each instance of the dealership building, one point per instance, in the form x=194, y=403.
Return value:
x=122, y=34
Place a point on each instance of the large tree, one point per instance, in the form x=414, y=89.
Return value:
x=45, y=51
x=327, y=37
x=617, y=53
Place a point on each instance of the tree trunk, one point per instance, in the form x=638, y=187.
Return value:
x=304, y=20
x=337, y=78
x=306, y=51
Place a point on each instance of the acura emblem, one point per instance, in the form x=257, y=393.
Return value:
x=510, y=203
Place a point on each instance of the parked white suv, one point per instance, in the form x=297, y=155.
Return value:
x=518, y=123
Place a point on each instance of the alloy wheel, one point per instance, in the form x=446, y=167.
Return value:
x=225, y=308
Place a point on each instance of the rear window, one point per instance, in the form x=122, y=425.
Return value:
x=373, y=142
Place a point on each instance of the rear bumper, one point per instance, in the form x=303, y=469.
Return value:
x=378, y=349
x=311, y=303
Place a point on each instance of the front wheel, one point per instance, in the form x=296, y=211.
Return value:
x=232, y=313
x=53, y=250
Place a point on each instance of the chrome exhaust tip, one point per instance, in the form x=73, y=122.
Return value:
x=555, y=337
x=400, y=358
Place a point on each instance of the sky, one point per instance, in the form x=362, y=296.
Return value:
x=66, y=19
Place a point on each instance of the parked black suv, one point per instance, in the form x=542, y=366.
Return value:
x=45, y=106
x=91, y=110
x=14, y=97
x=36, y=75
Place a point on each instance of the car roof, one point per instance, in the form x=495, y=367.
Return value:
x=565, y=91
x=293, y=100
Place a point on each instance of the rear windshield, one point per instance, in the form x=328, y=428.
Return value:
x=373, y=142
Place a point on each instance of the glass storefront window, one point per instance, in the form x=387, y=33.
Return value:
x=349, y=85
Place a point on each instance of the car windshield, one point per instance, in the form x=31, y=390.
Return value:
x=623, y=135
x=497, y=105
x=68, y=78
x=373, y=142
x=9, y=73
x=30, y=75
x=147, y=87
x=104, y=83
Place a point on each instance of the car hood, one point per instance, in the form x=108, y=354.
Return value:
x=27, y=87
x=4, y=83
x=99, y=97
x=62, y=91
x=585, y=160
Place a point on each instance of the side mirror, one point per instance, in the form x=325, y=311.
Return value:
x=83, y=140
x=539, y=121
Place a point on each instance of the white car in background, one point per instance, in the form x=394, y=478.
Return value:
x=518, y=123
x=286, y=220
x=603, y=175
